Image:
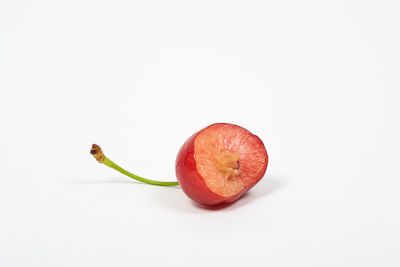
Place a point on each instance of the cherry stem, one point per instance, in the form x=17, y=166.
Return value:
x=98, y=154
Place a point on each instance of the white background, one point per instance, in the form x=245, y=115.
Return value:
x=318, y=81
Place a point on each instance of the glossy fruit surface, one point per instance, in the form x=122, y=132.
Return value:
x=220, y=163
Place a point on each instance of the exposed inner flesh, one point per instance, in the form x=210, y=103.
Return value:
x=229, y=158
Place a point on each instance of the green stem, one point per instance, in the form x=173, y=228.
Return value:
x=101, y=158
x=111, y=164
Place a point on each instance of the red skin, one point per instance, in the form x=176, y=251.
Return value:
x=193, y=184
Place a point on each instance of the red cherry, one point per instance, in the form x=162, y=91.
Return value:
x=215, y=165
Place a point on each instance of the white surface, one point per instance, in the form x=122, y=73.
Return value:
x=318, y=81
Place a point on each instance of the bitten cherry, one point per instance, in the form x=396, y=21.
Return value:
x=218, y=164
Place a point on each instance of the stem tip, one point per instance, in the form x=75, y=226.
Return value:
x=97, y=153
